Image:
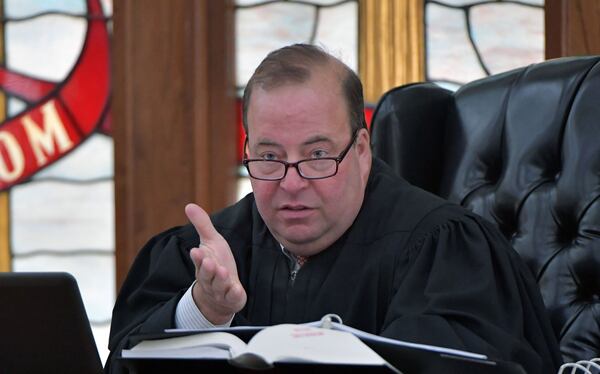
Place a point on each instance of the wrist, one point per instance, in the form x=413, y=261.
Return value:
x=216, y=316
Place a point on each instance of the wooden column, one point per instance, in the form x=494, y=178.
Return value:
x=572, y=27
x=173, y=115
x=391, y=45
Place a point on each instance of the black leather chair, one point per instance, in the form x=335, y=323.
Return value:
x=522, y=149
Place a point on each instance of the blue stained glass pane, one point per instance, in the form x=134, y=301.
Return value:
x=25, y=8
x=15, y=106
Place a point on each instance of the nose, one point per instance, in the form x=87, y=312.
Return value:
x=293, y=182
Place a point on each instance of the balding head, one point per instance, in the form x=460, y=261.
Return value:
x=296, y=64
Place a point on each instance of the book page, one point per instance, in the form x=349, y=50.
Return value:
x=202, y=345
x=298, y=343
x=366, y=336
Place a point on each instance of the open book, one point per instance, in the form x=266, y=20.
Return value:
x=324, y=342
x=285, y=343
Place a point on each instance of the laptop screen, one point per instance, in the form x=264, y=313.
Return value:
x=44, y=327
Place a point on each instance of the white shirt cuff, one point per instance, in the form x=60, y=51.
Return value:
x=188, y=316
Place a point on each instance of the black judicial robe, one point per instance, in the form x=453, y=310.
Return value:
x=412, y=267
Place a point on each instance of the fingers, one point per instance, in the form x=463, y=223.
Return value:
x=197, y=255
x=214, y=279
x=217, y=292
x=201, y=221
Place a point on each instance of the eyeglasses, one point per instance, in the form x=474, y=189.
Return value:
x=310, y=168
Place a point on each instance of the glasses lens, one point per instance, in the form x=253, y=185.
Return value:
x=317, y=168
x=266, y=169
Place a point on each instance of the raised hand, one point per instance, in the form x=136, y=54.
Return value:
x=218, y=292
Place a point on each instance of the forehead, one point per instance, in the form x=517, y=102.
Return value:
x=314, y=107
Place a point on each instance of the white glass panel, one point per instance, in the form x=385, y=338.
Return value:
x=15, y=106
x=508, y=35
x=45, y=47
x=243, y=187
x=62, y=216
x=534, y=2
x=95, y=276
x=107, y=7
x=249, y=2
x=459, y=2
x=101, y=333
x=93, y=159
x=328, y=2
x=24, y=8
x=449, y=53
x=474, y=2
x=338, y=32
x=263, y=29
x=315, y=2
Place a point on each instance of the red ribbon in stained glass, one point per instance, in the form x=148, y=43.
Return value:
x=61, y=115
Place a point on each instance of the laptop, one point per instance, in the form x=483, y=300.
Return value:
x=43, y=326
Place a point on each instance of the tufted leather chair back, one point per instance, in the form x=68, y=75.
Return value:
x=521, y=149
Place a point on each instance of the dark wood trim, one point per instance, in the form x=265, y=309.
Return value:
x=553, y=19
x=173, y=115
x=572, y=27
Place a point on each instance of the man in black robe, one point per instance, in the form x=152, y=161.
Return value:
x=329, y=229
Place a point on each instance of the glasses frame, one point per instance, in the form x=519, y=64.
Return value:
x=287, y=165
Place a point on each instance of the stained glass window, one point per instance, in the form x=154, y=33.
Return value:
x=56, y=153
x=470, y=39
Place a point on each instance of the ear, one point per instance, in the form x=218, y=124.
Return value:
x=363, y=151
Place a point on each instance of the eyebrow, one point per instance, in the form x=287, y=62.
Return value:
x=309, y=141
x=317, y=139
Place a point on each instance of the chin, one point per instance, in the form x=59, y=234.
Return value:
x=305, y=244
x=297, y=240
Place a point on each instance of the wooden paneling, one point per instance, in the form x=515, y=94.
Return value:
x=572, y=27
x=391, y=45
x=173, y=115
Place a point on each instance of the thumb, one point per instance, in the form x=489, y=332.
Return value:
x=201, y=221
